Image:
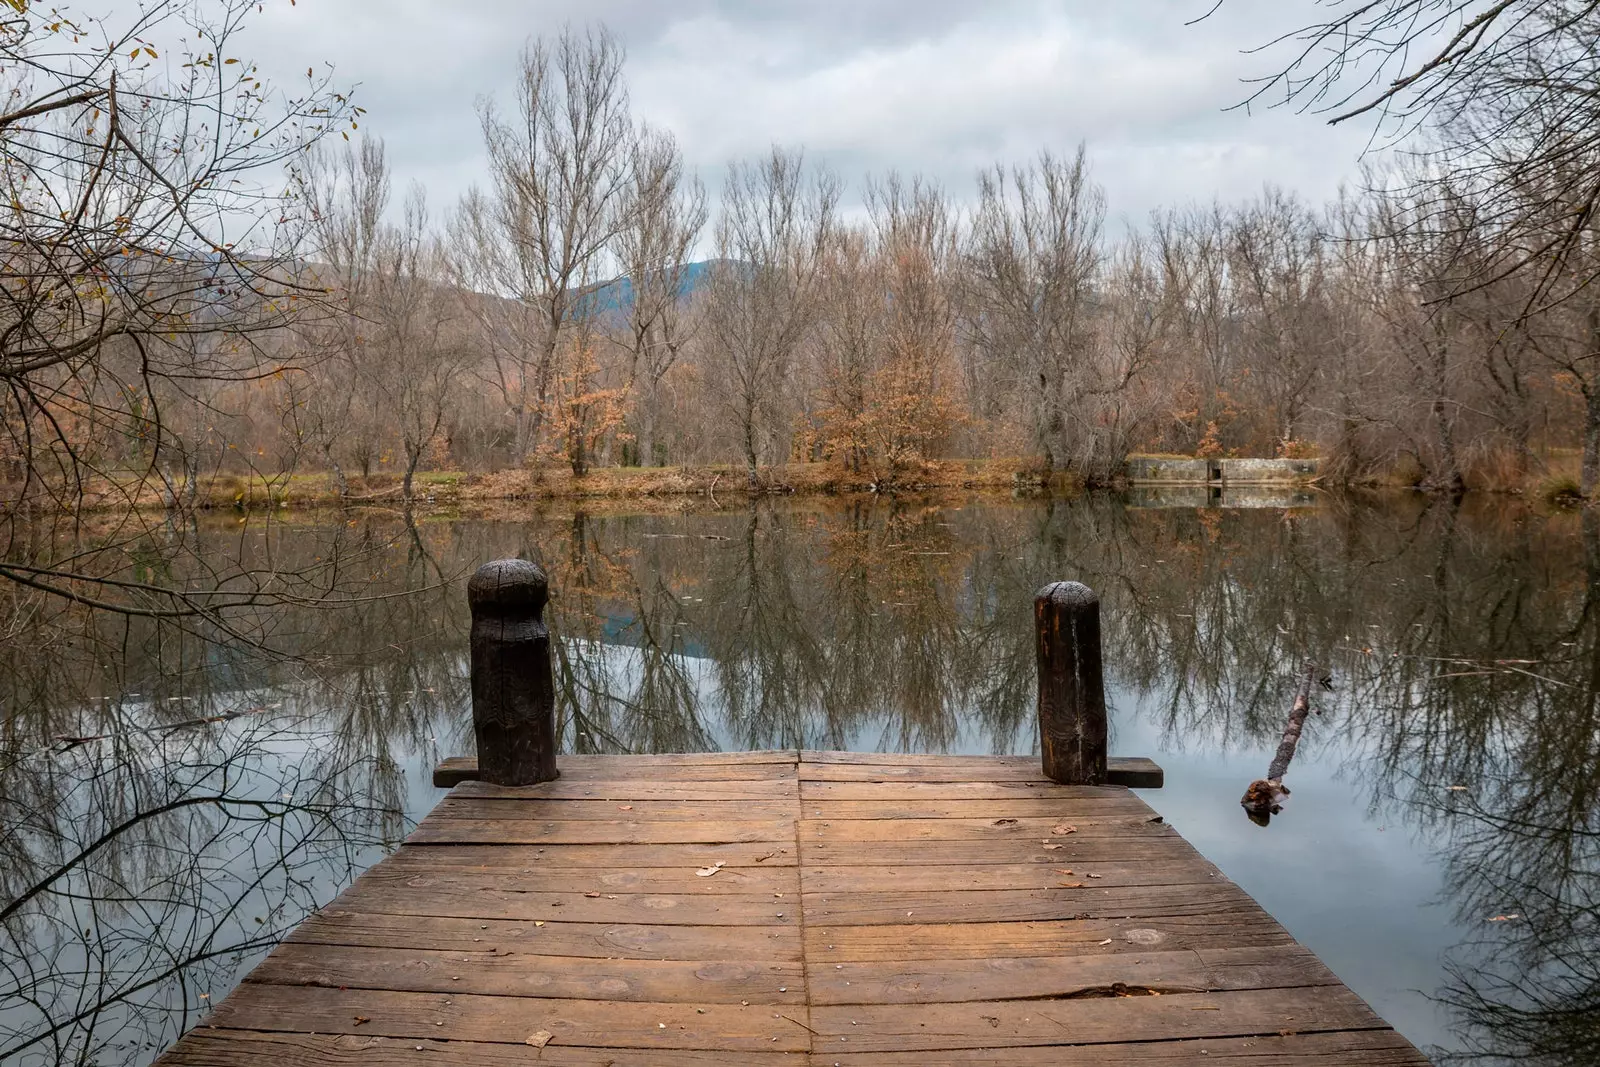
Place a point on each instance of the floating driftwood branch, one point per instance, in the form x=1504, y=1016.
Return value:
x=1264, y=798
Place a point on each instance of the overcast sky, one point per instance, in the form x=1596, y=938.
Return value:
x=932, y=86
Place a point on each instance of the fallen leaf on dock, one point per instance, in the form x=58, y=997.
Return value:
x=1107, y=941
x=1063, y=870
x=1050, y=847
x=1063, y=829
x=707, y=872
x=539, y=1038
x=1073, y=885
x=596, y=895
x=1005, y=822
x=538, y=922
x=624, y=807
x=363, y=1019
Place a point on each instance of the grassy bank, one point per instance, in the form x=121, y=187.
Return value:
x=461, y=489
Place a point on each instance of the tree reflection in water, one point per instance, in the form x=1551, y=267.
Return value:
x=1464, y=639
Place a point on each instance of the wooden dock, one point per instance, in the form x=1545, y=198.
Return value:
x=792, y=908
x=807, y=908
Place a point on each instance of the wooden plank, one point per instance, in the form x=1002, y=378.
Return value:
x=1049, y=830
x=1089, y=901
x=521, y=857
x=829, y=945
x=248, y=1048
x=722, y=981
x=1023, y=807
x=1344, y=1048
x=1036, y=977
x=488, y=831
x=669, y=909
x=956, y=877
x=564, y=810
x=1089, y=1020
x=1076, y=848
x=462, y=1017
x=907, y=792
x=650, y=941
x=686, y=767
x=626, y=790
x=423, y=877
x=1132, y=773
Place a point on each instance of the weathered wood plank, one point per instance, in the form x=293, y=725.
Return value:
x=462, y=1017
x=649, y=941
x=908, y=792
x=1087, y=901
x=521, y=810
x=705, y=766
x=1090, y=1020
x=1134, y=773
x=1126, y=805
x=517, y=856
x=828, y=945
x=247, y=1048
x=669, y=909
x=1345, y=1048
x=722, y=981
x=626, y=790
x=1001, y=827
x=955, y=877
x=540, y=877
x=1075, y=848
x=947, y=980
x=438, y=830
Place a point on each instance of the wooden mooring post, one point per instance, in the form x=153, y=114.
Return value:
x=513, y=693
x=1072, y=697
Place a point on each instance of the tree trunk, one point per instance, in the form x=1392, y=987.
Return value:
x=1591, y=439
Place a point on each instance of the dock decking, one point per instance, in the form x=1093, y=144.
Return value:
x=798, y=908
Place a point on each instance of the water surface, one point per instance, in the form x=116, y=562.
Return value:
x=1439, y=850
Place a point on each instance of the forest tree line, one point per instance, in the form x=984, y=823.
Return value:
x=591, y=304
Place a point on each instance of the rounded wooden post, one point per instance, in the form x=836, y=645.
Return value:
x=1072, y=696
x=513, y=694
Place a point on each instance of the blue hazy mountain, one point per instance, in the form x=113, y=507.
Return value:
x=615, y=297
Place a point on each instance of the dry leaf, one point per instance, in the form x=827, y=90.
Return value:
x=1063, y=870
x=1049, y=847
x=1107, y=941
x=1063, y=830
x=1005, y=822
x=707, y=872
x=538, y=922
x=1073, y=885
x=363, y=1019
x=591, y=894
x=624, y=807
x=539, y=1038
x=1086, y=874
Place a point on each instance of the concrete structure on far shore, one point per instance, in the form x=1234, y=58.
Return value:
x=1158, y=470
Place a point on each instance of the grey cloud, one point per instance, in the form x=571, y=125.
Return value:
x=932, y=86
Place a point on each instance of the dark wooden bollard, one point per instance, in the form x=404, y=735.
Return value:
x=513, y=695
x=1072, y=696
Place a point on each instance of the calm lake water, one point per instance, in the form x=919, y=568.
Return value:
x=1441, y=851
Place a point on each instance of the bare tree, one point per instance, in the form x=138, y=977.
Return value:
x=662, y=216
x=561, y=164
x=771, y=240
x=149, y=254
x=1034, y=254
